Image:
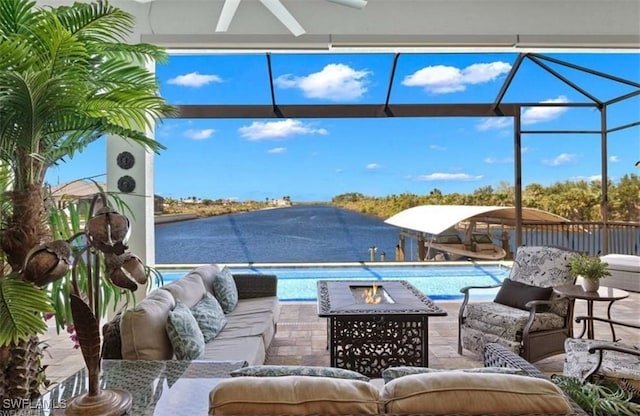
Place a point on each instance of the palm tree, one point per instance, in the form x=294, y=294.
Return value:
x=66, y=79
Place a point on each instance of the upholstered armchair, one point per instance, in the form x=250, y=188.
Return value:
x=597, y=359
x=526, y=316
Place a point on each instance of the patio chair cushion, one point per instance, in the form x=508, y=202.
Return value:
x=472, y=393
x=185, y=335
x=621, y=368
x=293, y=395
x=210, y=316
x=225, y=290
x=297, y=370
x=517, y=294
x=392, y=373
x=506, y=321
x=544, y=267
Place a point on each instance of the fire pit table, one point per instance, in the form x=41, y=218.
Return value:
x=374, y=325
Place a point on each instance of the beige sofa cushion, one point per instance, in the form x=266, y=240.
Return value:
x=249, y=349
x=473, y=394
x=207, y=273
x=293, y=395
x=258, y=306
x=143, y=328
x=249, y=325
x=188, y=289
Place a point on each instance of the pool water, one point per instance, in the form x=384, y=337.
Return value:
x=298, y=283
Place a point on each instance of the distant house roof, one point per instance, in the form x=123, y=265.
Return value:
x=77, y=189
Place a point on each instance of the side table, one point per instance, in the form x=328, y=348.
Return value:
x=604, y=294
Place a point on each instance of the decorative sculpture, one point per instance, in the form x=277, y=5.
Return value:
x=103, y=240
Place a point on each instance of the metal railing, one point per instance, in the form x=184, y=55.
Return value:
x=586, y=237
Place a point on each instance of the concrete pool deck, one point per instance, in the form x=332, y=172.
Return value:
x=302, y=339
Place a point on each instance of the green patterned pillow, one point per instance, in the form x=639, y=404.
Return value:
x=185, y=335
x=210, y=316
x=390, y=373
x=225, y=290
x=297, y=370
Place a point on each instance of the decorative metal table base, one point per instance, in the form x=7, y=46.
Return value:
x=115, y=402
x=370, y=337
x=369, y=344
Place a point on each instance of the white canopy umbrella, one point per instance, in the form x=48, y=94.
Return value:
x=434, y=219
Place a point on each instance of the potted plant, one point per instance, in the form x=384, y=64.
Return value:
x=591, y=269
x=598, y=399
x=67, y=78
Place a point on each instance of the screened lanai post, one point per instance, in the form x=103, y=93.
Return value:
x=394, y=65
x=517, y=146
x=604, y=180
x=274, y=105
x=507, y=83
x=517, y=158
x=564, y=79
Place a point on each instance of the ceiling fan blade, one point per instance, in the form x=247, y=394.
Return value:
x=356, y=4
x=287, y=19
x=226, y=15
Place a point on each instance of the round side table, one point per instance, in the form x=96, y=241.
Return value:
x=604, y=294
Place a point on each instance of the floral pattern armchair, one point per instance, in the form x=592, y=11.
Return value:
x=612, y=360
x=535, y=333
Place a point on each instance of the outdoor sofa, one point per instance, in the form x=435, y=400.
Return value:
x=242, y=330
x=625, y=271
x=440, y=392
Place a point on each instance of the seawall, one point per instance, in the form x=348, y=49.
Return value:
x=162, y=219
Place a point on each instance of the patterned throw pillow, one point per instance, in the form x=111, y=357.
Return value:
x=225, y=290
x=210, y=316
x=297, y=370
x=391, y=373
x=185, y=335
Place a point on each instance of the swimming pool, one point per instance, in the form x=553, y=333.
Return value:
x=298, y=283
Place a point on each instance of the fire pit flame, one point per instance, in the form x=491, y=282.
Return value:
x=371, y=295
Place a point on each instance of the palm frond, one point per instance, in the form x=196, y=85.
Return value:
x=96, y=21
x=15, y=15
x=21, y=319
x=132, y=111
x=139, y=53
x=15, y=54
x=119, y=74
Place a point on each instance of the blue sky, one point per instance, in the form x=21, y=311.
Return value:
x=316, y=159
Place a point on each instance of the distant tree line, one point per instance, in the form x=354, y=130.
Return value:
x=575, y=200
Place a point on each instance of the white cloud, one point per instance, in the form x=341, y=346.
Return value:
x=437, y=147
x=614, y=159
x=494, y=123
x=533, y=115
x=277, y=129
x=441, y=79
x=194, y=80
x=277, y=150
x=336, y=82
x=373, y=166
x=199, y=134
x=561, y=159
x=438, y=176
x=494, y=161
